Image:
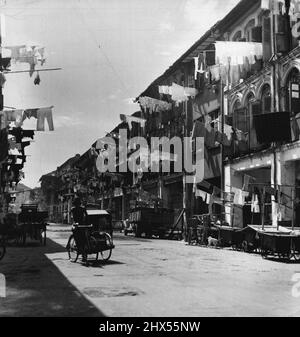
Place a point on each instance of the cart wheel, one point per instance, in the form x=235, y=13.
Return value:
x=245, y=246
x=106, y=254
x=2, y=248
x=264, y=254
x=294, y=252
x=72, y=249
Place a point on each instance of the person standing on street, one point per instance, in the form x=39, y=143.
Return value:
x=79, y=216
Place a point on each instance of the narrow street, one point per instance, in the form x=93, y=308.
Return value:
x=145, y=278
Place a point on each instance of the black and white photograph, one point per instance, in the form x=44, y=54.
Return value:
x=149, y=162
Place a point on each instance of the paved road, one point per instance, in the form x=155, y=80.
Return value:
x=146, y=278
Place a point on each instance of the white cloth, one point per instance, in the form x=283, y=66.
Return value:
x=197, y=69
x=239, y=197
x=178, y=94
x=164, y=89
x=201, y=194
x=234, y=53
x=228, y=131
x=190, y=92
x=28, y=54
x=255, y=204
x=155, y=104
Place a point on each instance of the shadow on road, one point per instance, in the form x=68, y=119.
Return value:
x=36, y=287
x=101, y=264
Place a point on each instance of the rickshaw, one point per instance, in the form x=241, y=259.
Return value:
x=93, y=238
x=32, y=223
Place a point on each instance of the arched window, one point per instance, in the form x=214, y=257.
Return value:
x=237, y=105
x=293, y=92
x=237, y=36
x=266, y=99
x=248, y=30
x=240, y=117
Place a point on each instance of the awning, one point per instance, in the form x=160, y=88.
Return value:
x=96, y=212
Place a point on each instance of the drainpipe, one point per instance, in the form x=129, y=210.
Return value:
x=275, y=95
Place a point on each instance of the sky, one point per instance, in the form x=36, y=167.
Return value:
x=109, y=52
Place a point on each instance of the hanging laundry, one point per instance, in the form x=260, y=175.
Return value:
x=42, y=114
x=199, y=65
x=30, y=113
x=276, y=6
x=239, y=196
x=201, y=194
x=255, y=204
x=190, y=92
x=37, y=79
x=178, y=94
x=197, y=113
x=15, y=51
x=164, y=90
x=228, y=131
x=234, y=53
x=216, y=196
x=14, y=116
x=208, y=199
x=215, y=72
x=28, y=54
x=14, y=145
x=200, y=161
x=14, y=152
x=154, y=104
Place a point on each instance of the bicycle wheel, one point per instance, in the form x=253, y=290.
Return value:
x=2, y=248
x=72, y=249
x=106, y=254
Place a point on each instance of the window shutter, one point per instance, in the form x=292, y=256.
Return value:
x=282, y=37
x=256, y=34
x=210, y=58
x=295, y=97
x=256, y=108
x=267, y=104
x=282, y=43
x=266, y=34
x=240, y=120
